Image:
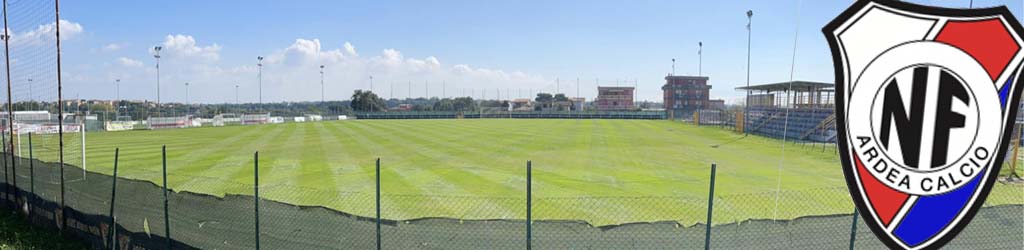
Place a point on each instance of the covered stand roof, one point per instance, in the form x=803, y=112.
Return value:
x=795, y=85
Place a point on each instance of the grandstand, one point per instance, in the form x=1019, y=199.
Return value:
x=797, y=110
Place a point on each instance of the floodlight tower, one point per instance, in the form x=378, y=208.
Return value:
x=259, y=76
x=746, y=104
x=188, y=109
x=236, y=94
x=156, y=55
x=322, y=100
x=117, y=91
x=700, y=58
x=31, y=96
x=673, y=66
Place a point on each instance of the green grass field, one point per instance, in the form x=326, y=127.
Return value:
x=602, y=171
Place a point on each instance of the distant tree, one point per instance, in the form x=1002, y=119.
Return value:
x=367, y=101
x=543, y=98
x=561, y=98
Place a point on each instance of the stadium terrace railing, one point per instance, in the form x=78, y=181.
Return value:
x=142, y=214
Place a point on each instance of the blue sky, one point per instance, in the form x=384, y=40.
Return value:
x=513, y=46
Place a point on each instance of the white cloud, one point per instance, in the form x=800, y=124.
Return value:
x=46, y=33
x=185, y=46
x=310, y=52
x=291, y=73
x=350, y=50
x=128, y=62
x=111, y=47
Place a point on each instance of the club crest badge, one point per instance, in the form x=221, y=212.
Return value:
x=925, y=103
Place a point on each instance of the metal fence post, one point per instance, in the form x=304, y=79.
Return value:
x=711, y=204
x=7, y=183
x=378, y=203
x=853, y=228
x=31, y=178
x=256, y=195
x=113, y=194
x=529, y=204
x=167, y=218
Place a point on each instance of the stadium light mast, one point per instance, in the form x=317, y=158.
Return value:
x=259, y=75
x=746, y=104
x=673, y=66
x=236, y=94
x=156, y=55
x=188, y=109
x=117, y=94
x=117, y=89
x=371, y=83
x=700, y=59
x=31, y=96
x=322, y=99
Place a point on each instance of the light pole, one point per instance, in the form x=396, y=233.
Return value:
x=236, y=94
x=31, y=96
x=371, y=83
x=746, y=111
x=259, y=76
x=673, y=66
x=188, y=109
x=156, y=55
x=700, y=59
x=117, y=91
x=323, y=101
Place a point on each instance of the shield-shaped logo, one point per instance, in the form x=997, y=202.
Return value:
x=925, y=102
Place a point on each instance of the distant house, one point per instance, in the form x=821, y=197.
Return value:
x=403, y=107
x=614, y=98
x=578, y=102
x=716, y=104
x=522, y=104
x=685, y=94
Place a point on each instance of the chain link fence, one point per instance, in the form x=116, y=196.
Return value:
x=809, y=219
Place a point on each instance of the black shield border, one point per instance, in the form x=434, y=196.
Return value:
x=840, y=99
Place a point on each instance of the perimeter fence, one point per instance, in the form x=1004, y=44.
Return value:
x=115, y=212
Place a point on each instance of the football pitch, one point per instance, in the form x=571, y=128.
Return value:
x=600, y=171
